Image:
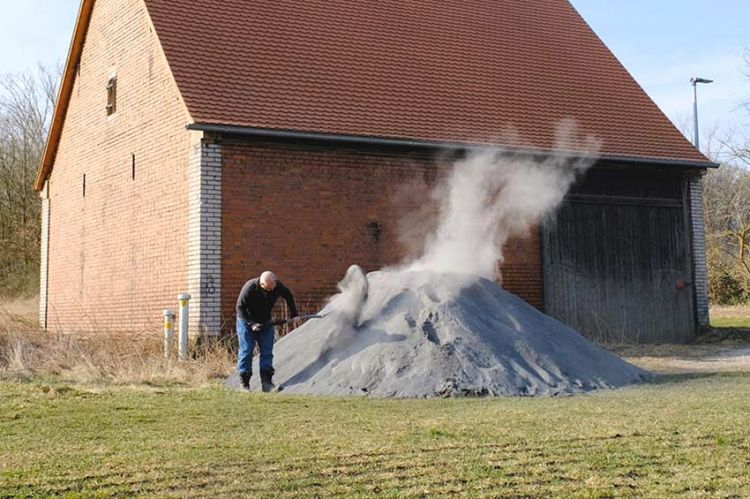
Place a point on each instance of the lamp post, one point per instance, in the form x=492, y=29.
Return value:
x=695, y=82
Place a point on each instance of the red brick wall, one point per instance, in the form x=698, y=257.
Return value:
x=119, y=256
x=521, y=269
x=309, y=213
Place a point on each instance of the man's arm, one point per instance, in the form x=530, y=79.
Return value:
x=289, y=298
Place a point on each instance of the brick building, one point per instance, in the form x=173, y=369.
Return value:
x=195, y=144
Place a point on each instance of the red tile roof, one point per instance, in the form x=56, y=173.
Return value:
x=432, y=70
x=435, y=70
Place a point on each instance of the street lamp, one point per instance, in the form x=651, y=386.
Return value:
x=695, y=82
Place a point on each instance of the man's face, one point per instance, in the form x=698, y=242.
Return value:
x=268, y=285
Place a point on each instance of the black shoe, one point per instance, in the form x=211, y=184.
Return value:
x=245, y=379
x=265, y=381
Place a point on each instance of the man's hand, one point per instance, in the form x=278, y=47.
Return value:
x=256, y=327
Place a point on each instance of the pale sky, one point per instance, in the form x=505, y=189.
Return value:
x=662, y=43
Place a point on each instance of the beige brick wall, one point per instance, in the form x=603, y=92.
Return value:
x=204, y=239
x=118, y=256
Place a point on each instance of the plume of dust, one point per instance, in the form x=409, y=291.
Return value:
x=488, y=197
x=353, y=294
x=492, y=195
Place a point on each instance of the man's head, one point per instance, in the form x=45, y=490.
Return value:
x=268, y=280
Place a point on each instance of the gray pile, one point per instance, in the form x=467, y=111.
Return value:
x=427, y=334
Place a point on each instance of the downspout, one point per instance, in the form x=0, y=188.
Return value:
x=44, y=259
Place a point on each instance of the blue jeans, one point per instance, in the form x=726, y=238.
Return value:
x=248, y=338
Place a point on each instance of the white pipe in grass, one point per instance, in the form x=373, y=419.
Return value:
x=184, y=306
x=168, y=333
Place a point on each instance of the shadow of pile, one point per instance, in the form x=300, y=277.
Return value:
x=676, y=378
x=722, y=334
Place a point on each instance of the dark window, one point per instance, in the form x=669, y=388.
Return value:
x=112, y=96
x=132, y=166
x=83, y=183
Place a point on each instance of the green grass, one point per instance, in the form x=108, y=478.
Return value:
x=738, y=322
x=737, y=316
x=685, y=435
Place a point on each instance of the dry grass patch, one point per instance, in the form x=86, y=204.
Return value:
x=19, y=314
x=720, y=357
x=108, y=359
x=122, y=359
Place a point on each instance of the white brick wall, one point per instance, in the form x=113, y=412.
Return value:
x=700, y=278
x=204, y=239
x=43, y=259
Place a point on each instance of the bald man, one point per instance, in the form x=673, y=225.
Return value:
x=254, y=307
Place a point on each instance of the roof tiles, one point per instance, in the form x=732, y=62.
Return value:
x=436, y=70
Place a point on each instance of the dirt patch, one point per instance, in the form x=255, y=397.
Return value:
x=722, y=311
x=724, y=356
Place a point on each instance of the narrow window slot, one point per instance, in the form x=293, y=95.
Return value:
x=112, y=96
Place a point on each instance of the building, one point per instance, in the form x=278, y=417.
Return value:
x=195, y=144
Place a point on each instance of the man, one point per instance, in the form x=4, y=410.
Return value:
x=254, y=307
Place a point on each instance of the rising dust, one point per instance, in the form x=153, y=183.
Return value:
x=439, y=325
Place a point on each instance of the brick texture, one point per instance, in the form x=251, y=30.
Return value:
x=700, y=278
x=521, y=269
x=309, y=213
x=204, y=239
x=444, y=70
x=118, y=256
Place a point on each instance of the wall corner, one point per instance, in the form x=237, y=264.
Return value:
x=44, y=257
x=698, y=241
x=204, y=238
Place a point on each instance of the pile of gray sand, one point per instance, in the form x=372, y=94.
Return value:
x=429, y=334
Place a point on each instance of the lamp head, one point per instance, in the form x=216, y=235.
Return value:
x=700, y=80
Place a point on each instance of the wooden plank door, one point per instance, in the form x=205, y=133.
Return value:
x=620, y=271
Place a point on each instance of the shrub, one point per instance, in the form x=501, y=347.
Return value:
x=728, y=288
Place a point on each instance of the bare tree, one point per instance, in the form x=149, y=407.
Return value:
x=727, y=214
x=26, y=106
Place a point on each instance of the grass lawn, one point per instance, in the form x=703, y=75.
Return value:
x=685, y=435
x=116, y=419
x=735, y=316
x=738, y=322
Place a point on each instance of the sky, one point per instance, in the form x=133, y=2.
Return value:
x=662, y=43
x=34, y=31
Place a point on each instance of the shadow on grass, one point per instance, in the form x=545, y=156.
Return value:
x=716, y=334
x=675, y=378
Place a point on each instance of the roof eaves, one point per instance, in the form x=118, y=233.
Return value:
x=422, y=144
x=64, y=93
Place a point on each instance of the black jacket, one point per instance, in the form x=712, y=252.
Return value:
x=255, y=303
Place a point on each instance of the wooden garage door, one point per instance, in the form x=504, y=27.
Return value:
x=619, y=270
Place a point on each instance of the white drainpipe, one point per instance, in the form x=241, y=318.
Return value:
x=184, y=307
x=168, y=333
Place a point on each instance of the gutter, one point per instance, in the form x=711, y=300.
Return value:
x=341, y=139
